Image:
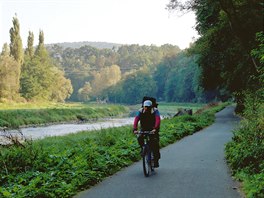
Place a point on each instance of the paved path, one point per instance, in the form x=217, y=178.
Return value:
x=193, y=167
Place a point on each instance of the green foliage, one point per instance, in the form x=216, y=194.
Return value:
x=9, y=75
x=62, y=166
x=16, y=47
x=34, y=76
x=133, y=89
x=30, y=45
x=10, y=65
x=88, y=68
x=40, y=78
x=21, y=117
x=258, y=54
x=245, y=153
x=178, y=79
x=227, y=30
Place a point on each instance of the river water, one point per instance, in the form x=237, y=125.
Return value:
x=63, y=129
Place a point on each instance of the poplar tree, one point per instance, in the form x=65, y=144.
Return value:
x=16, y=51
x=30, y=45
x=16, y=47
x=41, y=50
x=27, y=73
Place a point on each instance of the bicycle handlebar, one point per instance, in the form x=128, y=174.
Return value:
x=145, y=132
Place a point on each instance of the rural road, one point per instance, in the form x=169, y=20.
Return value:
x=193, y=167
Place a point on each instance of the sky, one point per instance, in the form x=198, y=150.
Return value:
x=143, y=22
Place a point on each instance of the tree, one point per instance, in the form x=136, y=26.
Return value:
x=16, y=51
x=16, y=47
x=227, y=30
x=84, y=94
x=41, y=79
x=5, y=50
x=30, y=45
x=132, y=89
x=105, y=78
x=62, y=88
x=9, y=73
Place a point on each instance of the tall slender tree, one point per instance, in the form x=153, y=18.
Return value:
x=16, y=51
x=30, y=45
x=16, y=47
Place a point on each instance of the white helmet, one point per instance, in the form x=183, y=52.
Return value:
x=147, y=103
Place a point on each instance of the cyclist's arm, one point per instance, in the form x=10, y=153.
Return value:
x=157, y=119
x=136, y=120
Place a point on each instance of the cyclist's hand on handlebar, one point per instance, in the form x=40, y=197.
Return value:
x=135, y=131
x=153, y=131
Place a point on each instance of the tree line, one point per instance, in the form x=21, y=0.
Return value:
x=219, y=65
x=129, y=72
x=30, y=74
x=122, y=74
x=231, y=39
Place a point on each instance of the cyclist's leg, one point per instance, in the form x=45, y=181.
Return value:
x=158, y=146
x=140, y=140
x=155, y=148
x=141, y=143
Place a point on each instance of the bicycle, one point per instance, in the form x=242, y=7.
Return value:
x=147, y=153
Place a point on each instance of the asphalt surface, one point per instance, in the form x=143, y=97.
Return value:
x=193, y=167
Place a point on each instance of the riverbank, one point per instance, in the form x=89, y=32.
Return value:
x=17, y=118
x=39, y=132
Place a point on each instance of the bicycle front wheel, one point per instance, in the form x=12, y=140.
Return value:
x=146, y=164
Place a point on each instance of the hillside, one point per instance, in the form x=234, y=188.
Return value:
x=99, y=45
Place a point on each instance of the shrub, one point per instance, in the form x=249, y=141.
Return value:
x=245, y=153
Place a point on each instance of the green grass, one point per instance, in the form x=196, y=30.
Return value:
x=62, y=166
x=53, y=112
x=171, y=109
x=40, y=105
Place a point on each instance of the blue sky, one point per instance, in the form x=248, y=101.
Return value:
x=142, y=22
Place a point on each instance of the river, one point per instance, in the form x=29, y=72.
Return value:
x=63, y=129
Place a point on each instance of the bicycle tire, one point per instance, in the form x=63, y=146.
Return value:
x=147, y=168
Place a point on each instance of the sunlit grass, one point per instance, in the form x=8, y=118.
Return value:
x=39, y=105
x=172, y=108
x=50, y=105
x=21, y=114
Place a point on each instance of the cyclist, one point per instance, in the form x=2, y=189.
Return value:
x=149, y=118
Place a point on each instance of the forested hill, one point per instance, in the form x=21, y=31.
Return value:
x=127, y=73
x=99, y=45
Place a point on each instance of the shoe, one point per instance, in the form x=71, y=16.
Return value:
x=156, y=164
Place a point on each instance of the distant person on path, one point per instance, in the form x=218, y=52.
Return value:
x=149, y=118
